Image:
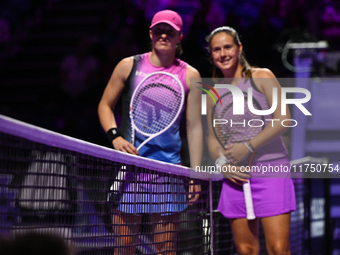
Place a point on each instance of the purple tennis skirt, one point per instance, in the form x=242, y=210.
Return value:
x=272, y=191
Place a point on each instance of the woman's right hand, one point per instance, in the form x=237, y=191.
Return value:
x=121, y=144
x=235, y=174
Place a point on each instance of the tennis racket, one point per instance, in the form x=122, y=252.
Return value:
x=238, y=133
x=155, y=105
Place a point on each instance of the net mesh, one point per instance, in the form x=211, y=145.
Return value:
x=51, y=183
x=64, y=186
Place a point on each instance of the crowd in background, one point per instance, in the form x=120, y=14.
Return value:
x=262, y=24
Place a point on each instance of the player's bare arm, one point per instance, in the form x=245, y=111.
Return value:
x=193, y=114
x=194, y=125
x=109, y=99
x=266, y=82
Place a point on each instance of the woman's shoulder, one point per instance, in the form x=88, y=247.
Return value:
x=191, y=71
x=124, y=67
x=262, y=73
x=126, y=62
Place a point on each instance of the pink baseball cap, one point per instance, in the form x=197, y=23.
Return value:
x=169, y=17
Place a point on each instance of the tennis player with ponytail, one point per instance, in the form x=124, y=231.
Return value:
x=273, y=197
x=132, y=79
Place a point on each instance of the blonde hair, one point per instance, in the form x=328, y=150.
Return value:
x=246, y=68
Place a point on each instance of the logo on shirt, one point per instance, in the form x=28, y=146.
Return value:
x=141, y=73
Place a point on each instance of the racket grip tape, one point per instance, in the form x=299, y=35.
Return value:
x=248, y=201
x=221, y=161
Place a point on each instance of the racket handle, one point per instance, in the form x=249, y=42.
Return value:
x=118, y=182
x=132, y=135
x=142, y=144
x=145, y=141
x=249, y=201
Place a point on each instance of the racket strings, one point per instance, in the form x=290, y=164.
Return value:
x=156, y=104
x=236, y=128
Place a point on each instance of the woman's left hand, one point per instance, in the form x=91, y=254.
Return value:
x=236, y=152
x=194, y=192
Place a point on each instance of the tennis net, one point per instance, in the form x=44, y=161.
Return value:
x=51, y=183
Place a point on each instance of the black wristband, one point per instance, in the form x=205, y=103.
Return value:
x=112, y=134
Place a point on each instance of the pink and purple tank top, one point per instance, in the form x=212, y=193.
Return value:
x=167, y=146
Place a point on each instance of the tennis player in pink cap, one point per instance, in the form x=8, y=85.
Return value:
x=165, y=34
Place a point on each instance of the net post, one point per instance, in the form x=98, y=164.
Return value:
x=329, y=243
x=211, y=218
